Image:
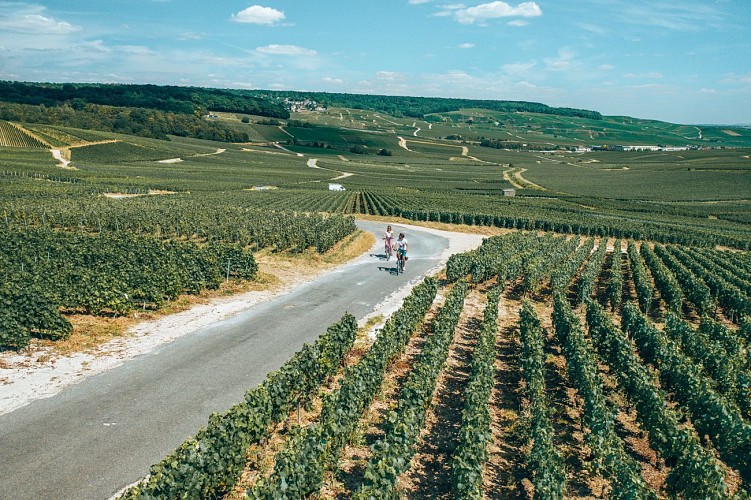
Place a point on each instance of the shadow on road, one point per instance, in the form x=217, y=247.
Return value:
x=390, y=270
x=381, y=256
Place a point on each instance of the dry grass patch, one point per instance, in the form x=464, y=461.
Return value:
x=310, y=262
x=443, y=226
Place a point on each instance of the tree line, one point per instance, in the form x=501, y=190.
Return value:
x=418, y=107
x=141, y=122
x=171, y=98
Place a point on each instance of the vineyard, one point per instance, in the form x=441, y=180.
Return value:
x=696, y=197
x=534, y=366
x=57, y=266
x=46, y=273
x=600, y=349
x=495, y=212
x=14, y=137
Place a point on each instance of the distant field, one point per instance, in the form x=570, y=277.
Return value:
x=680, y=176
x=602, y=190
x=574, y=131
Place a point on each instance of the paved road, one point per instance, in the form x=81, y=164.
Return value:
x=96, y=437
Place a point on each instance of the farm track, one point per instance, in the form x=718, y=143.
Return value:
x=514, y=177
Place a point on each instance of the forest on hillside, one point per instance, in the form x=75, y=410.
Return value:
x=419, y=107
x=184, y=100
x=141, y=122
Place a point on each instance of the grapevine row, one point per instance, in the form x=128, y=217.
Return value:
x=209, y=464
x=598, y=416
x=564, y=274
x=645, y=291
x=539, y=267
x=471, y=452
x=665, y=282
x=711, y=414
x=733, y=299
x=498, y=255
x=615, y=285
x=705, y=346
x=229, y=218
x=13, y=136
x=694, y=289
x=695, y=472
x=300, y=466
x=393, y=453
x=544, y=462
x=741, y=268
x=43, y=271
x=590, y=272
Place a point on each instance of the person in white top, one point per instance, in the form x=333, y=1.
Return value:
x=389, y=242
x=401, y=249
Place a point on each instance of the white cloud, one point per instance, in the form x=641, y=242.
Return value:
x=521, y=69
x=453, y=77
x=652, y=75
x=389, y=76
x=651, y=86
x=674, y=16
x=135, y=50
x=337, y=81
x=592, y=28
x=190, y=36
x=607, y=67
x=466, y=45
x=23, y=18
x=735, y=79
x=257, y=14
x=242, y=85
x=518, y=23
x=416, y=2
x=564, y=62
x=480, y=14
x=286, y=50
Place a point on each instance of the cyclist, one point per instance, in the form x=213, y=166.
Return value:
x=401, y=250
x=389, y=242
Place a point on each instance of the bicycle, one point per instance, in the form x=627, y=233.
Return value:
x=400, y=263
x=388, y=248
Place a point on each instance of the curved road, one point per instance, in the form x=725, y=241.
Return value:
x=98, y=436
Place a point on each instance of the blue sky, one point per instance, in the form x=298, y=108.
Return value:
x=683, y=61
